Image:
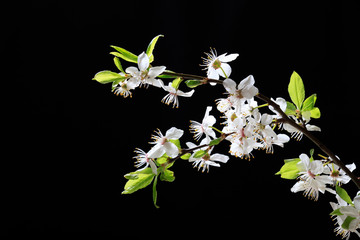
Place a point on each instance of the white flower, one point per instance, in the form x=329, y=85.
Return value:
x=245, y=90
x=145, y=75
x=311, y=182
x=204, y=127
x=295, y=133
x=217, y=65
x=163, y=145
x=346, y=211
x=172, y=96
x=208, y=159
x=123, y=88
x=143, y=159
x=338, y=175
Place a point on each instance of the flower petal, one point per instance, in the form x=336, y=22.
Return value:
x=212, y=73
x=171, y=149
x=185, y=94
x=219, y=158
x=248, y=81
x=228, y=58
x=156, y=71
x=230, y=85
x=224, y=68
x=174, y=133
x=143, y=61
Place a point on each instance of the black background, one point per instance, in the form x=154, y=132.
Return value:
x=69, y=140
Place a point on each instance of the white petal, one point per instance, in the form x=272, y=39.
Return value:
x=249, y=92
x=171, y=149
x=248, y=81
x=143, y=61
x=212, y=73
x=225, y=68
x=156, y=71
x=349, y=211
x=174, y=133
x=185, y=94
x=157, y=151
x=230, y=85
x=153, y=167
x=219, y=158
x=228, y=58
x=132, y=70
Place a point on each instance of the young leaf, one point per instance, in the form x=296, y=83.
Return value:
x=118, y=64
x=215, y=141
x=108, y=77
x=155, y=191
x=193, y=83
x=186, y=156
x=296, y=90
x=315, y=113
x=347, y=222
x=343, y=194
x=290, y=109
x=150, y=48
x=124, y=54
x=309, y=103
x=289, y=170
x=200, y=153
x=167, y=176
x=336, y=212
x=176, y=83
x=143, y=179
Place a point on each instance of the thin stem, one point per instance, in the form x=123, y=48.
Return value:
x=191, y=76
x=315, y=140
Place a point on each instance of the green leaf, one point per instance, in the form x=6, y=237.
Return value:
x=315, y=113
x=347, y=222
x=200, y=154
x=289, y=170
x=186, y=156
x=176, y=83
x=167, y=176
x=155, y=192
x=176, y=142
x=124, y=54
x=193, y=83
x=336, y=212
x=108, y=77
x=296, y=90
x=343, y=194
x=138, y=180
x=118, y=64
x=215, y=141
x=150, y=48
x=290, y=109
x=309, y=103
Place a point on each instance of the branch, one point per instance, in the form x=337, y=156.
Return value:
x=315, y=140
x=285, y=119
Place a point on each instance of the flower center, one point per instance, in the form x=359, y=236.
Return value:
x=334, y=173
x=163, y=140
x=238, y=94
x=206, y=157
x=311, y=174
x=216, y=64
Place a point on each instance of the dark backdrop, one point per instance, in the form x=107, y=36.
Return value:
x=69, y=140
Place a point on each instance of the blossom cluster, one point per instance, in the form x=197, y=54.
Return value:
x=244, y=128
